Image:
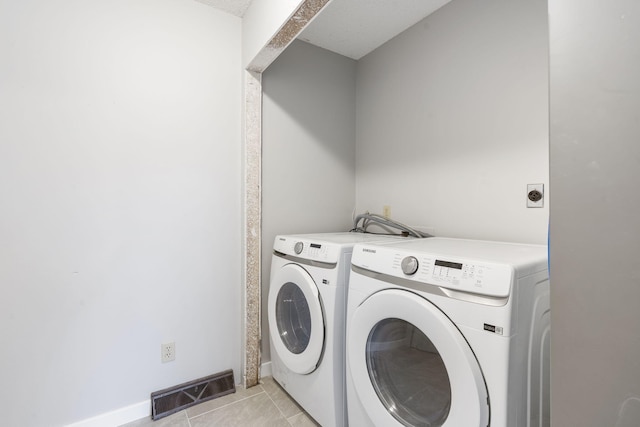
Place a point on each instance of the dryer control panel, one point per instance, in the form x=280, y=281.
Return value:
x=328, y=248
x=307, y=249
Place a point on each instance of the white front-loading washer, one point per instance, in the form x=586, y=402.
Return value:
x=306, y=311
x=448, y=332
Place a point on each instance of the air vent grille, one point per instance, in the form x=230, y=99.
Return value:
x=173, y=399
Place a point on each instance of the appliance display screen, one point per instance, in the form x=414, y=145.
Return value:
x=315, y=246
x=449, y=264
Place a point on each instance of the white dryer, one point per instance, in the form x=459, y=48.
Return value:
x=306, y=312
x=448, y=332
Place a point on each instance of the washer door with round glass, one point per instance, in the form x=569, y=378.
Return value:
x=296, y=320
x=411, y=366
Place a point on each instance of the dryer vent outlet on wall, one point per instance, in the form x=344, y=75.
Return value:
x=173, y=399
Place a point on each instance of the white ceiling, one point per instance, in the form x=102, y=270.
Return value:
x=352, y=28
x=234, y=7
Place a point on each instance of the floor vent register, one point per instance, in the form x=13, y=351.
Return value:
x=173, y=399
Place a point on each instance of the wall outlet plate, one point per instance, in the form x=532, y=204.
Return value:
x=168, y=352
x=535, y=195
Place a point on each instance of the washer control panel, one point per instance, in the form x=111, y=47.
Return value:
x=467, y=275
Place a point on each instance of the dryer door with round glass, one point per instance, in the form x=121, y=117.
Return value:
x=411, y=366
x=296, y=319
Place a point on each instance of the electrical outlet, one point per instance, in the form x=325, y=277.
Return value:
x=535, y=195
x=386, y=211
x=168, y=352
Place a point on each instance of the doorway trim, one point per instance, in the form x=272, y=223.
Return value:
x=252, y=189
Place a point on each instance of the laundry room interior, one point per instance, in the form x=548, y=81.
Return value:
x=151, y=151
x=446, y=124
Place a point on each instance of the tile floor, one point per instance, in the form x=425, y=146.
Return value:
x=266, y=404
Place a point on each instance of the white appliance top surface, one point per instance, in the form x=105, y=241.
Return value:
x=514, y=254
x=345, y=238
x=470, y=266
x=326, y=247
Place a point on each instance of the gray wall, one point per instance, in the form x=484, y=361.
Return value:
x=120, y=217
x=308, y=158
x=452, y=121
x=594, y=173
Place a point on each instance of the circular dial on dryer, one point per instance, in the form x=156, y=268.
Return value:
x=409, y=265
x=298, y=247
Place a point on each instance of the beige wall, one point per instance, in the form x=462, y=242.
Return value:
x=120, y=198
x=452, y=122
x=308, y=159
x=595, y=172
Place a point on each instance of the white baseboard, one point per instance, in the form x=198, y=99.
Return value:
x=118, y=417
x=265, y=369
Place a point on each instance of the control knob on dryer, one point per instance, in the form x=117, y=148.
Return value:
x=298, y=247
x=409, y=265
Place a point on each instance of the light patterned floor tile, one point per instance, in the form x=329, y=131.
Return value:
x=240, y=394
x=255, y=411
x=302, y=420
x=265, y=405
x=283, y=401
